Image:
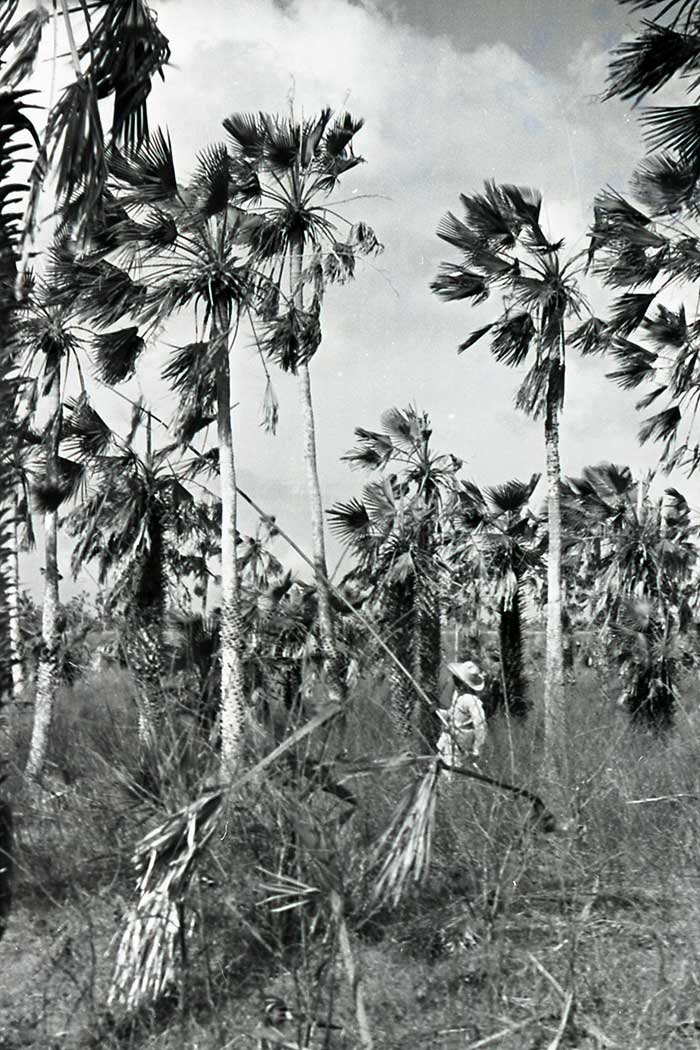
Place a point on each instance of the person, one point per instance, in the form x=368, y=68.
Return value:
x=464, y=734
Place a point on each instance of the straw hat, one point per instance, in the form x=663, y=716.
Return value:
x=469, y=673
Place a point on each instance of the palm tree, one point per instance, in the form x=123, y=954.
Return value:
x=132, y=518
x=181, y=249
x=115, y=49
x=296, y=166
x=396, y=530
x=498, y=526
x=505, y=249
x=644, y=553
x=648, y=245
x=51, y=344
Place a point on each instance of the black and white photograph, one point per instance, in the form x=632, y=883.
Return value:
x=349, y=524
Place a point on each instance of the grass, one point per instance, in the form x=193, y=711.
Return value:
x=585, y=939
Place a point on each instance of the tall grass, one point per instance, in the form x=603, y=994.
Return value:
x=590, y=930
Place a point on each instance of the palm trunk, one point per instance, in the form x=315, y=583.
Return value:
x=232, y=680
x=48, y=671
x=401, y=609
x=12, y=598
x=510, y=636
x=325, y=617
x=554, y=701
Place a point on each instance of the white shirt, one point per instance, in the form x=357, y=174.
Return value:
x=466, y=715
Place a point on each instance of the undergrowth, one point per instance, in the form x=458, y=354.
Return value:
x=584, y=937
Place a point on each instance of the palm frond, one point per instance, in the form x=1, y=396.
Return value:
x=147, y=169
x=591, y=337
x=668, y=328
x=664, y=183
x=340, y=134
x=637, y=364
x=374, y=451
x=126, y=50
x=292, y=339
x=661, y=427
x=674, y=128
x=403, y=853
x=85, y=431
x=512, y=338
x=364, y=240
x=191, y=372
x=474, y=337
x=544, y=375
x=614, y=208
x=213, y=179
x=487, y=216
x=455, y=282
x=116, y=354
x=512, y=496
x=25, y=36
x=645, y=64
x=247, y=133
x=629, y=310
x=350, y=521
x=650, y=398
x=49, y=493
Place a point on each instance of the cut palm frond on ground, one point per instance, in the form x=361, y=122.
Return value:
x=165, y=861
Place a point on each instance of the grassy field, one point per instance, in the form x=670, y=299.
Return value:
x=518, y=939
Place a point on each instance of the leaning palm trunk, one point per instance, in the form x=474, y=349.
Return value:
x=325, y=618
x=232, y=680
x=554, y=702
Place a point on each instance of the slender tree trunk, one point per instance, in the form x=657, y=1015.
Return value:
x=232, y=680
x=12, y=596
x=47, y=673
x=325, y=617
x=5, y=584
x=554, y=700
x=48, y=670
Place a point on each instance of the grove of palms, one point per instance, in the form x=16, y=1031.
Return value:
x=251, y=730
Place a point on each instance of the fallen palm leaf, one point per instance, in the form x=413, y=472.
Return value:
x=165, y=861
x=404, y=851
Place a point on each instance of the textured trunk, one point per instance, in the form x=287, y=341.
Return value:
x=232, y=681
x=510, y=637
x=12, y=597
x=145, y=632
x=400, y=632
x=5, y=642
x=427, y=663
x=554, y=701
x=47, y=673
x=48, y=670
x=325, y=617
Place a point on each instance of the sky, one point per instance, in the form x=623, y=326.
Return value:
x=452, y=93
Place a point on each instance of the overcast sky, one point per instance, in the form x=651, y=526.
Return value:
x=452, y=93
